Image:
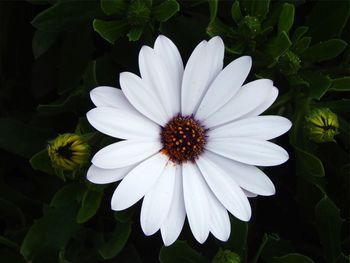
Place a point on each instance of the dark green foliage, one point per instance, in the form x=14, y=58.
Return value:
x=53, y=52
x=180, y=251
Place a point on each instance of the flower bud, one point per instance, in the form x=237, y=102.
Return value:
x=68, y=152
x=321, y=125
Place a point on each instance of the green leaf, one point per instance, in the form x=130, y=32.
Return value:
x=339, y=106
x=73, y=103
x=236, y=49
x=342, y=259
x=89, y=77
x=301, y=45
x=111, y=7
x=302, y=107
x=64, y=14
x=89, y=205
x=296, y=80
x=309, y=163
x=238, y=239
x=341, y=84
x=271, y=246
x=117, y=241
x=299, y=33
x=213, y=9
x=236, y=12
x=226, y=256
x=180, y=252
x=275, y=246
x=218, y=28
x=329, y=223
x=49, y=234
x=135, y=33
x=286, y=18
x=110, y=30
x=258, y=9
x=324, y=50
x=32, y=139
x=77, y=100
x=41, y=161
x=8, y=243
x=125, y=215
x=319, y=84
x=83, y=127
x=327, y=20
x=42, y=41
x=279, y=45
x=165, y=10
x=293, y=258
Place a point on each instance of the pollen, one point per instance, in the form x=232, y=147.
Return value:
x=183, y=139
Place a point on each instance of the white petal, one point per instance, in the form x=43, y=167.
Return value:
x=225, y=189
x=156, y=203
x=249, y=194
x=171, y=58
x=125, y=153
x=174, y=222
x=248, y=98
x=260, y=127
x=220, y=224
x=196, y=201
x=269, y=99
x=122, y=124
x=138, y=182
x=249, y=150
x=203, y=66
x=224, y=87
x=246, y=176
x=156, y=75
x=142, y=98
x=105, y=176
x=105, y=96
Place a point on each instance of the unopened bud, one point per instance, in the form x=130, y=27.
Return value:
x=321, y=125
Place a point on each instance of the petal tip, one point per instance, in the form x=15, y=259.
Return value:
x=247, y=58
x=167, y=240
x=115, y=206
x=269, y=192
x=289, y=124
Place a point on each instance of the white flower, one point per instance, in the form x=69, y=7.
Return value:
x=192, y=139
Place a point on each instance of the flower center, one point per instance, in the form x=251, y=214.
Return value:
x=183, y=139
x=65, y=150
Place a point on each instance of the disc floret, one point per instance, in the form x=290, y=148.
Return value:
x=183, y=139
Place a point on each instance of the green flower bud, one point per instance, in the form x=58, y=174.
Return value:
x=138, y=13
x=321, y=125
x=226, y=256
x=289, y=63
x=249, y=26
x=68, y=152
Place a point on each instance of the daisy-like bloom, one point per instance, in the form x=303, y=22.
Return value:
x=68, y=152
x=191, y=139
